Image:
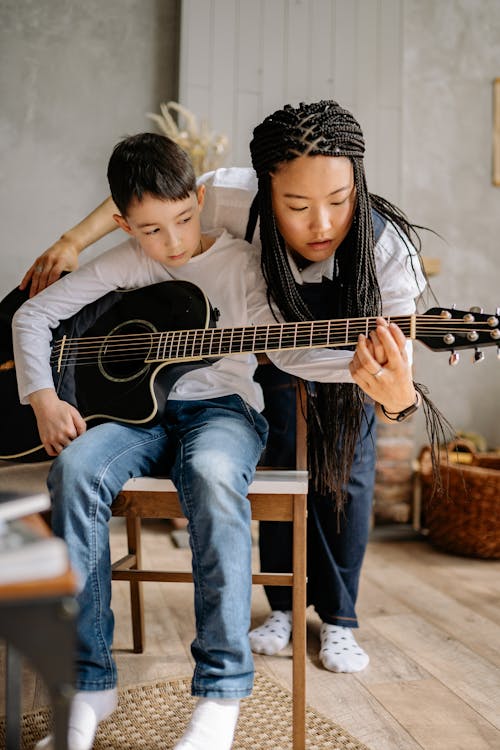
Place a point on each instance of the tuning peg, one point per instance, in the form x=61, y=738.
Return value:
x=478, y=356
x=454, y=358
x=475, y=309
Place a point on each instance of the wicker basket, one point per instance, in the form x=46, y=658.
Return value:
x=467, y=522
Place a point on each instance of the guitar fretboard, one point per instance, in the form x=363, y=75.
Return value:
x=202, y=343
x=217, y=342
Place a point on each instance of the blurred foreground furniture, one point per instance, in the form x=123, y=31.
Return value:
x=37, y=620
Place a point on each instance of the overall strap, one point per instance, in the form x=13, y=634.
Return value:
x=253, y=215
x=379, y=223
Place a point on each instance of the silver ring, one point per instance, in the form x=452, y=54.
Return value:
x=39, y=268
x=378, y=373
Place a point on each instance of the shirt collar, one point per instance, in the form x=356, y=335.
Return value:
x=314, y=272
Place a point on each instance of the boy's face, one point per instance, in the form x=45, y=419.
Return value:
x=168, y=231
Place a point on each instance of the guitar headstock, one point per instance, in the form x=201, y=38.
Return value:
x=448, y=329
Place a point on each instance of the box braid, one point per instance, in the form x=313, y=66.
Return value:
x=326, y=129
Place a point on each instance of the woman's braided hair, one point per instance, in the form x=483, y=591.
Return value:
x=324, y=128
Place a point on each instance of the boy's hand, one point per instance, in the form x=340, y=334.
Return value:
x=58, y=422
x=47, y=268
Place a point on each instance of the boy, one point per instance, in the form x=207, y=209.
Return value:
x=211, y=429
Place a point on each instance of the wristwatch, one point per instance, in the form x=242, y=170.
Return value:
x=400, y=416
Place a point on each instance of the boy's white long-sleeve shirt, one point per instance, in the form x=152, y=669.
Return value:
x=229, y=274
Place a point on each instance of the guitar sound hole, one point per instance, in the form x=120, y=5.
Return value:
x=123, y=353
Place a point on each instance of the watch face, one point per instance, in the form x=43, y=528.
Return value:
x=407, y=412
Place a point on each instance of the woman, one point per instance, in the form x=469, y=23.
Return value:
x=330, y=249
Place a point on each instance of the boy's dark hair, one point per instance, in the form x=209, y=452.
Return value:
x=149, y=164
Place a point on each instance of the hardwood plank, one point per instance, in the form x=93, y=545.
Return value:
x=469, y=676
x=435, y=717
x=388, y=662
x=424, y=591
x=348, y=702
x=376, y=600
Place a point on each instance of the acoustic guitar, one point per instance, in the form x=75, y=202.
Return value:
x=118, y=358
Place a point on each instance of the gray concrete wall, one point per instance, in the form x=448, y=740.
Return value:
x=74, y=78
x=451, y=56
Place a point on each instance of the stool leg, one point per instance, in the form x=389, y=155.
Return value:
x=136, y=594
x=44, y=631
x=13, y=699
x=299, y=621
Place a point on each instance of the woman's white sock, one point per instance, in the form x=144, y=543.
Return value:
x=273, y=635
x=88, y=708
x=339, y=651
x=212, y=725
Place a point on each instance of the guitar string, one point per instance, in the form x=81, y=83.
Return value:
x=220, y=337
x=359, y=324
x=185, y=343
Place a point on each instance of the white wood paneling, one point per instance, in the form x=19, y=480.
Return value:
x=321, y=82
x=242, y=59
x=273, y=55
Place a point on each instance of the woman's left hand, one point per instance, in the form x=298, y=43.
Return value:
x=381, y=368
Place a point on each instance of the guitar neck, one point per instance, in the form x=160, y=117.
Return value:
x=437, y=329
x=218, y=342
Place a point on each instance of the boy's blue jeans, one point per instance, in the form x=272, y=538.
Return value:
x=210, y=449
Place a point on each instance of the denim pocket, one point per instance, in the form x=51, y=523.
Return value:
x=257, y=420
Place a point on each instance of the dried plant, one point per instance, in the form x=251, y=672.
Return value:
x=206, y=149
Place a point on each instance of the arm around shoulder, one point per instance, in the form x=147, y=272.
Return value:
x=62, y=256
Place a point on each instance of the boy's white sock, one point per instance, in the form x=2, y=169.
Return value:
x=212, y=725
x=339, y=651
x=273, y=635
x=88, y=708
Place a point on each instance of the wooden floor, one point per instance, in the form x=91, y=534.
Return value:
x=430, y=622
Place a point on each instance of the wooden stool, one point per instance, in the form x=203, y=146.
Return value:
x=274, y=495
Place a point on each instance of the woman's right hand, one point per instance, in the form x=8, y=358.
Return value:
x=48, y=267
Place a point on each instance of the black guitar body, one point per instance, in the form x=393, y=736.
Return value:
x=109, y=388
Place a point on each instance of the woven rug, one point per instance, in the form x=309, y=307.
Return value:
x=155, y=715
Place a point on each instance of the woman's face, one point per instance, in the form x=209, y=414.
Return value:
x=314, y=199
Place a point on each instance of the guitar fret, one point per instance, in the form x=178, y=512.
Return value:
x=215, y=348
x=193, y=345
x=162, y=345
x=189, y=344
x=225, y=342
x=201, y=343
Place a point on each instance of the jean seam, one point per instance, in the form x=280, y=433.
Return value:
x=186, y=496
x=105, y=650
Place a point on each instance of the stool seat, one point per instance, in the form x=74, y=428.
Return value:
x=265, y=481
